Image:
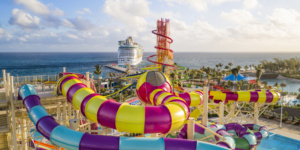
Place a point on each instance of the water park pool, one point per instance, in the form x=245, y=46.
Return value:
x=278, y=142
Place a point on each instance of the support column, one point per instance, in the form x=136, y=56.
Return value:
x=8, y=85
x=231, y=112
x=65, y=113
x=14, y=134
x=88, y=80
x=190, y=128
x=4, y=78
x=205, y=106
x=221, y=113
x=69, y=110
x=256, y=113
x=24, y=134
x=64, y=69
x=58, y=113
x=12, y=89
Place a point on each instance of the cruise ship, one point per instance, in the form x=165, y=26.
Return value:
x=130, y=52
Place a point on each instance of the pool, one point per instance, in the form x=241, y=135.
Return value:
x=278, y=142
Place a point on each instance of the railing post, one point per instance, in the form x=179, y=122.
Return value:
x=205, y=106
x=64, y=113
x=4, y=78
x=14, y=134
x=221, y=113
x=12, y=87
x=256, y=113
x=190, y=128
x=64, y=69
x=88, y=80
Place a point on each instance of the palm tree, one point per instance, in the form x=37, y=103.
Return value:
x=276, y=84
x=226, y=67
x=282, y=85
x=208, y=73
x=193, y=73
x=220, y=65
x=230, y=64
x=258, y=74
x=128, y=68
x=98, y=71
x=235, y=72
x=299, y=89
x=111, y=75
x=246, y=68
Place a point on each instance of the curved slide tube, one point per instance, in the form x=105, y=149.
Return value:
x=257, y=96
x=238, y=137
x=73, y=140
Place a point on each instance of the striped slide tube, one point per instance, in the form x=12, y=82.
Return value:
x=159, y=96
x=257, y=96
x=244, y=138
x=169, y=116
x=62, y=136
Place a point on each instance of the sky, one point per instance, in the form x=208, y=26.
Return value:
x=196, y=25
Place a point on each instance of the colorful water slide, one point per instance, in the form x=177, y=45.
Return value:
x=73, y=140
x=255, y=96
x=238, y=137
x=169, y=116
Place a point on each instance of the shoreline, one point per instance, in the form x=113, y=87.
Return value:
x=287, y=78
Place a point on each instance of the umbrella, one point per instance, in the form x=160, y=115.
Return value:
x=232, y=78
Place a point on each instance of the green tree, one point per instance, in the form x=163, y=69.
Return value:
x=298, y=97
x=285, y=115
x=246, y=68
x=282, y=85
x=258, y=75
x=111, y=75
x=235, y=72
x=230, y=64
x=299, y=89
x=276, y=84
x=98, y=71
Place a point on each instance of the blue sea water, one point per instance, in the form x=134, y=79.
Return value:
x=27, y=64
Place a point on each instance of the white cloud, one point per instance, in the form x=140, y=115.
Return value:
x=80, y=23
x=84, y=11
x=129, y=12
x=58, y=12
x=238, y=16
x=24, y=20
x=216, y=2
x=282, y=16
x=34, y=6
x=250, y=4
x=199, y=5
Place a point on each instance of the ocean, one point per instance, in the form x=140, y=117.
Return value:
x=28, y=64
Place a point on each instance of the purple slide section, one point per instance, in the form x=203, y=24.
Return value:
x=73, y=89
x=85, y=101
x=45, y=126
x=157, y=124
x=171, y=144
x=98, y=142
x=65, y=80
x=31, y=101
x=107, y=113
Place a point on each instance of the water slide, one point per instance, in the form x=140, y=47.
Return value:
x=124, y=117
x=238, y=137
x=255, y=96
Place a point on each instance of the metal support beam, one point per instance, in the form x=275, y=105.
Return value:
x=205, y=106
x=221, y=113
x=191, y=128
